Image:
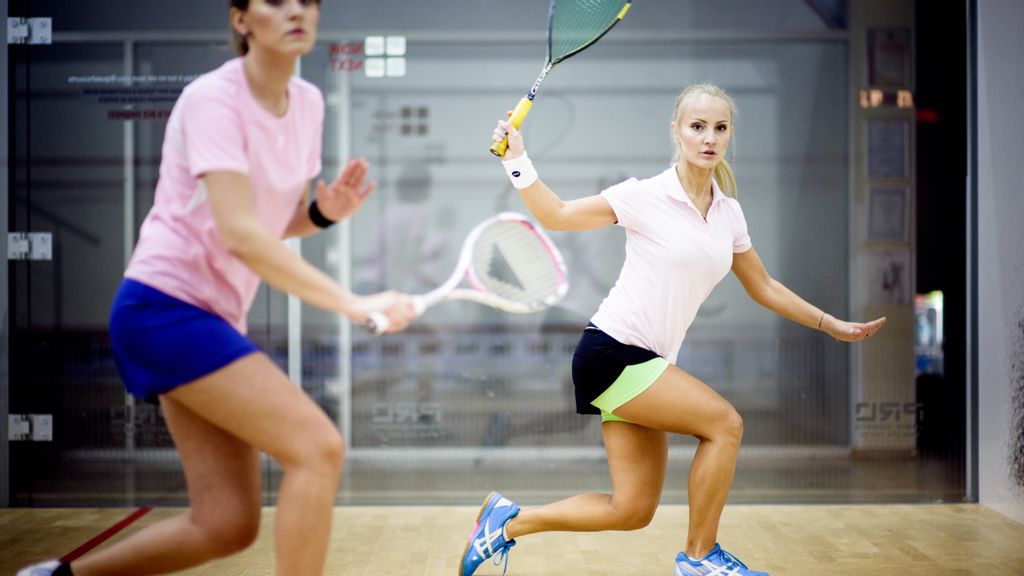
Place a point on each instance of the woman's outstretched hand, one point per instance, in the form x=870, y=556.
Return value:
x=343, y=197
x=850, y=331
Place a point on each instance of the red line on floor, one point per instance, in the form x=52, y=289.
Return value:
x=105, y=535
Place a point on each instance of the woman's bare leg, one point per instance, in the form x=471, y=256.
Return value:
x=636, y=460
x=252, y=401
x=677, y=402
x=258, y=403
x=223, y=478
x=637, y=456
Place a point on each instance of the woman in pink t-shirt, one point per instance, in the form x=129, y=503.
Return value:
x=683, y=235
x=241, y=147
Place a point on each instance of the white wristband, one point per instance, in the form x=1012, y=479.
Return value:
x=520, y=171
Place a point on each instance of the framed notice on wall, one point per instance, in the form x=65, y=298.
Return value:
x=888, y=277
x=888, y=154
x=888, y=211
x=889, y=57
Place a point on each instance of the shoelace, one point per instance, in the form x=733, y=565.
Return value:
x=502, y=555
x=731, y=560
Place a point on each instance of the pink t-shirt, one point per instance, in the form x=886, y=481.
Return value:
x=674, y=258
x=217, y=126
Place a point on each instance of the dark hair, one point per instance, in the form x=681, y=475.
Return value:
x=240, y=43
x=237, y=40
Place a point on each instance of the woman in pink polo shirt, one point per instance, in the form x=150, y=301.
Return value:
x=242, y=145
x=683, y=234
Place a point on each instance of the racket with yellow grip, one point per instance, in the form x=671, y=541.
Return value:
x=573, y=26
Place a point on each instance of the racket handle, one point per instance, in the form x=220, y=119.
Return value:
x=378, y=323
x=419, y=304
x=518, y=115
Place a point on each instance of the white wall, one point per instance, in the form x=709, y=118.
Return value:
x=1000, y=172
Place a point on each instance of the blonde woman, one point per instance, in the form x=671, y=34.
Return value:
x=684, y=231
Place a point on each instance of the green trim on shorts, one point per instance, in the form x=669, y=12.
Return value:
x=609, y=417
x=633, y=380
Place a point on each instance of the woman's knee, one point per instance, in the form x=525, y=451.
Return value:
x=634, y=516
x=321, y=450
x=228, y=533
x=733, y=425
x=637, y=519
x=333, y=449
x=239, y=535
x=727, y=426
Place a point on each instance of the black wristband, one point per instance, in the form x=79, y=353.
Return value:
x=317, y=217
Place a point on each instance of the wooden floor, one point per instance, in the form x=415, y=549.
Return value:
x=909, y=540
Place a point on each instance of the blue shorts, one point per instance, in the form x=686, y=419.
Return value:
x=160, y=342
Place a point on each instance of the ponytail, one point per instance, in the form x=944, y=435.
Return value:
x=726, y=179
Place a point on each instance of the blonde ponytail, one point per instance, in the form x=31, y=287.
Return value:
x=726, y=179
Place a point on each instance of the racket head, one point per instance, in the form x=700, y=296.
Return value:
x=574, y=25
x=511, y=265
x=514, y=261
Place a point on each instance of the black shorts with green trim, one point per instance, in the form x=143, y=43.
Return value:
x=598, y=362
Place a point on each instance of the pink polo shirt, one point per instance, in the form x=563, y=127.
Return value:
x=217, y=126
x=674, y=258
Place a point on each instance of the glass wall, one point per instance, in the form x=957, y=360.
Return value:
x=468, y=399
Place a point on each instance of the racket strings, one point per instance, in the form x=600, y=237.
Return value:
x=513, y=262
x=577, y=23
x=519, y=268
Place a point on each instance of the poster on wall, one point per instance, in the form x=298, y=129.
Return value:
x=889, y=277
x=132, y=97
x=888, y=208
x=888, y=142
x=889, y=57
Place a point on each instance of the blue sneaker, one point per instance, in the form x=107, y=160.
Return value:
x=488, y=537
x=718, y=562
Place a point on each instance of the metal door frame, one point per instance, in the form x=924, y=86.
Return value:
x=5, y=488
